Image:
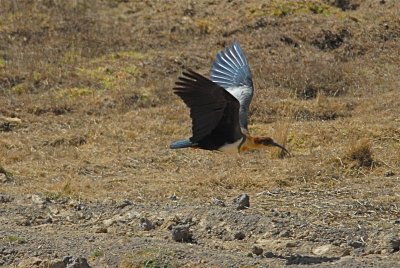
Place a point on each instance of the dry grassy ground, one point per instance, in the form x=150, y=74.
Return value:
x=87, y=114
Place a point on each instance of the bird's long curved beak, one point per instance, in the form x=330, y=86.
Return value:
x=280, y=146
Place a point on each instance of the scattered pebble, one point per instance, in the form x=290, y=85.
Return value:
x=389, y=173
x=397, y=221
x=101, y=230
x=292, y=244
x=242, y=201
x=181, y=233
x=394, y=245
x=269, y=254
x=356, y=244
x=173, y=197
x=257, y=250
x=4, y=198
x=109, y=222
x=284, y=233
x=31, y=262
x=219, y=202
x=4, y=178
x=240, y=235
x=124, y=203
x=322, y=250
x=36, y=199
x=146, y=225
x=346, y=252
x=75, y=262
x=159, y=222
x=55, y=264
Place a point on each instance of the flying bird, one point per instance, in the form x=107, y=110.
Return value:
x=219, y=106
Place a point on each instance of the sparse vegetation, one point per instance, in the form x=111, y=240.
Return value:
x=15, y=239
x=361, y=153
x=87, y=113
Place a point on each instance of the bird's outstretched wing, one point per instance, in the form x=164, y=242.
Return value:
x=231, y=71
x=211, y=106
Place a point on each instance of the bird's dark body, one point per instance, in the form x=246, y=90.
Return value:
x=214, y=111
x=216, y=139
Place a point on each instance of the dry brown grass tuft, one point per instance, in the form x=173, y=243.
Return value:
x=360, y=153
x=280, y=136
x=308, y=78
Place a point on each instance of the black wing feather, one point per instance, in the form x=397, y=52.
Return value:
x=214, y=111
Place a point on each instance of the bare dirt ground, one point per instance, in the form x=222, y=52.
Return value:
x=87, y=114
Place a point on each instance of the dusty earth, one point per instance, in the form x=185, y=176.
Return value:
x=87, y=113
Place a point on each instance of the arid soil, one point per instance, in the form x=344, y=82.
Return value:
x=87, y=114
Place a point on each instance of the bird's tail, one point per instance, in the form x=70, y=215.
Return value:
x=181, y=144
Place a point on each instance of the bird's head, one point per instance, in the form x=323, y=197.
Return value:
x=268, y=142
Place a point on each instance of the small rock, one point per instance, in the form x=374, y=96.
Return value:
x=285, y=233
x=146, y=225
x=242, y=201
x=346, y=252
x=257, y=250
x=122, y=218
x=41, y=202
x=249, y=254
x=54, y=210
x=240, y=235
x=55, y=264
x=31, y=262
x=394, y=245
x=219, y=202
x=181, y=233
x=291, y=244
x=4, y=198
x=269, y=254
x=75, y=262
x=124, y=203
x=356, y=244
x=397, y=221
x=321, y=250
x=173, y=197
x=4, y=178
x=389, y=173
x=101, y=230
x=159, y=222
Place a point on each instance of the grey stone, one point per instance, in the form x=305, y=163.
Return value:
x=124, y=203
x=219, y=202
x=257, y=250
x=356, y=244
x=242, y=201
x=38, y=200
x=31, y=262
x=240, y=235
x=269, y=254
x=4, y=198
x=394, y=245
x=389, y=173
x=181, y=233
x=284, y=233
x=75, y=262
x=146, y=225
x=101, y=230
